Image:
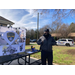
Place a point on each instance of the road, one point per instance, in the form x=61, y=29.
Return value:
x=33, y=43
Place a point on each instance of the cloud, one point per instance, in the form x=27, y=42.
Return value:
x=27, y=20
x=28, y=17
x=30, y=25
x=23, y=18
x=30, y=11
x=20, y=17
x=10, y=14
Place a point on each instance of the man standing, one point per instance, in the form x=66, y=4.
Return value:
x=46, y=42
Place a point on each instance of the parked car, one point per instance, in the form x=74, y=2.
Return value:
x=31, y=40
x=34, y=40
x=66, y=42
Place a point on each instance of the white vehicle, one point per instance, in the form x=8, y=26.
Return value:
x=66, y=42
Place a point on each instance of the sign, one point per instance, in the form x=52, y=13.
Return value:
x=12, y=41
x=10, y=36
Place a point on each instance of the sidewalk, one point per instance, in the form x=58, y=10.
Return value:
x=22, y=61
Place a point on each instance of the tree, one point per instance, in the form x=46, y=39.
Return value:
x=56, y=14
x=28, y=34
x=32, y=34
x=55, y=26
x=72, y=27
x=51, y=29
x=64, y=30
x=35, y=34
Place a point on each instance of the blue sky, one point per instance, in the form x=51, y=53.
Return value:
x=69, y=20
x=27, y=18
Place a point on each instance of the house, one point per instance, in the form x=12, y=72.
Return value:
x=5, y=22
x=72, y=36
x=58, y=35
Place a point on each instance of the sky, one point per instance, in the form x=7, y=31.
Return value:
x=27, y=18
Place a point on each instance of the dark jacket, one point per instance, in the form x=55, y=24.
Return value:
x=46, y=45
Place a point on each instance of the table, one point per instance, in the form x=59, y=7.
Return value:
x=5, y=59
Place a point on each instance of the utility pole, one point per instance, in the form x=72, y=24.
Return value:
x=37, y=26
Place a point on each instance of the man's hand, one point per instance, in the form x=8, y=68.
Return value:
x=41, y=40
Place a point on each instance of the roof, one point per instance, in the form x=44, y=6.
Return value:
x=56, y=34
x=59, y=35
x=5, y=21
x=71, y=35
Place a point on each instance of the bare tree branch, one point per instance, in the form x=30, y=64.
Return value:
x=64, y=30
x=57, y=13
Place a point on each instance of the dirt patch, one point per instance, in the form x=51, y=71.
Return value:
x=71, y=51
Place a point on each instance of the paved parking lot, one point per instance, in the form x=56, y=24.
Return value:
x=22, y=62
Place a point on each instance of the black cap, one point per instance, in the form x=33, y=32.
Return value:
x=46, y=30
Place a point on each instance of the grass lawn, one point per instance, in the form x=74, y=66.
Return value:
x=61, y=54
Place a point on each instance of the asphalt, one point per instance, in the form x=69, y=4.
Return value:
x=22, y=61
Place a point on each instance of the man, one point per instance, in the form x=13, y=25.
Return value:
x=46, y=42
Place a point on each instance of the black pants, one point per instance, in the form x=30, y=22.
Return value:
x=46, y=55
